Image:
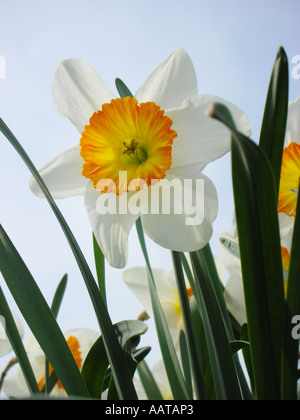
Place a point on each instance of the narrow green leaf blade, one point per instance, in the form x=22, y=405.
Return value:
x=95, y=367
x=275, y=115
x=195, y=362
x=150, y=386
x=223, y=369
x=255, y=199
x=122, y=89
x=100, y=268
x=128, y=333
x=173, y=369
x=39, y=317
x=96, y=364
x=58, y=296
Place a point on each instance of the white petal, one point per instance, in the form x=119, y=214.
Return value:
x=230, y=252
x=12, y=387
x=201, y=139
x=234, y=297
x=62, y=175
x=174, y=320
x=234, y=290
x=111, y=230
x=5, y=346
x=78, y=91
x=86, y=338
x=286, y=225
x=136, y=279
x=171, y=82
x=293, y=123
x=161, y=378
x=184, y=231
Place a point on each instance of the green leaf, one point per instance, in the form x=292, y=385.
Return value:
x=119, y=368
x=173, y=369
x=255, y=199
x=39, y=317
x=189, y=328
x=200, y=333
x=223, y=369
x=128, y=332
x=100, y=268
x=275, y=116
x=291, y=344
x=95, y=366
x=150, y=386
x=235, y=346
x=17, y=345
x=186, y=365
x=138, y=355
x=122, y=89
x=209, y=263
x=58, y=296
x=50, y=380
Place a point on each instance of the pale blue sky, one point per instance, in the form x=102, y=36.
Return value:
x=232, y=43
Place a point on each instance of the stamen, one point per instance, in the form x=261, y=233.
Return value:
x=131, y=149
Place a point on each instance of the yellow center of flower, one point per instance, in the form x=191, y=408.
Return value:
x=127, y=137
x=73, y=343
x=289, y=179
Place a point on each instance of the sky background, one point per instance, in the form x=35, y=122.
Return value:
x=232, y=43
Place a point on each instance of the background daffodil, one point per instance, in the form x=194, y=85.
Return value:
x=289, y=178
x=136, y=278
x=80, y=341
x=5, y=346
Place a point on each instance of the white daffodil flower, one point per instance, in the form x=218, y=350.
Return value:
x=289, y=179
x=136, y=279
x=234, y=289
x=5, y=346
x=140, y=156
x=80, y=342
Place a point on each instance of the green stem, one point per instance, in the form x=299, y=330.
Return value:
x=189, y=328
x=173, y=369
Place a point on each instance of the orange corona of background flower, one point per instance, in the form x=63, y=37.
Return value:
x=289, y=179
